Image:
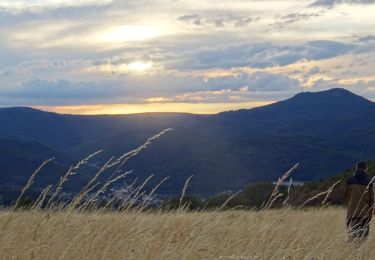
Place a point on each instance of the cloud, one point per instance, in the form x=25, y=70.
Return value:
x=314, y=70
x=366, y=38
x=360, y=87
x=322, y=49
x=170, y=64
x=138, y=89
x=293, y=18
x=191, y=18
x=271, y=82
x=63, y=90
x=241, y=22
x=54, y=52
x=260, y=55
x=256, y=55
x=217, y=20
x=15, y=16
x=331, y=3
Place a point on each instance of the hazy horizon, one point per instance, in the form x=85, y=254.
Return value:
x=132, y=109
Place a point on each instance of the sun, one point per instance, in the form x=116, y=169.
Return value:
x=139, y=66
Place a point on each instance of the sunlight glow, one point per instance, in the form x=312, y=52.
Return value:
x=139, y=66
x=129, y=33
x=197, y=108
x=132, y=67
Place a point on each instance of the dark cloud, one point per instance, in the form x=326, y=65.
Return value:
x=262, y=81
x=363, y=88
x=331, y=3
x=62, y=89
x=293, y=18
x=191, y=18
x=136, y=89
x=323, y=49
x=9, y=17
x=241, y=22
x=258, y=81
x=314, y=70
x=366, y=38
x=218, y=20
x=260, y=55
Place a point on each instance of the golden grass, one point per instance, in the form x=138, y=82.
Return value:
x=270, y=234
x=74, y=230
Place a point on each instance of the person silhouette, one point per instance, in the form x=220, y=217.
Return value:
x=359, y=195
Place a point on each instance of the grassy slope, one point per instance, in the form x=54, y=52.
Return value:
x=256, y=194
x=309, y=190
x=274, y=234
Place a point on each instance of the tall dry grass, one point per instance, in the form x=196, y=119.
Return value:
x=271, y=234
x=80, y=230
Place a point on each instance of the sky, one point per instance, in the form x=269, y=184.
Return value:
x=197, y=56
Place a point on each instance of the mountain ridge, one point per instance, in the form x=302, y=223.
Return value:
x=330, y=131
x=302, y=96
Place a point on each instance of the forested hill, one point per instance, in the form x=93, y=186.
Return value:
x=325, y=132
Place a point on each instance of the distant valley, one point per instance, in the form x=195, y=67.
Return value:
x=326, y=132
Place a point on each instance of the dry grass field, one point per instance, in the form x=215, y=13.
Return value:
x=271, y=234
x=80, y=230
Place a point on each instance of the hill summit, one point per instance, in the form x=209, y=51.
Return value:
x=336, y=98
x=309, y=105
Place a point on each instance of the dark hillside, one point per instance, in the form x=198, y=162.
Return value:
x=325, y=131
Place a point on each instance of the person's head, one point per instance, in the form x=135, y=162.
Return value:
x=362, y=166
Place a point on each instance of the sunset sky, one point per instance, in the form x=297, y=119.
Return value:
x=93, y=57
